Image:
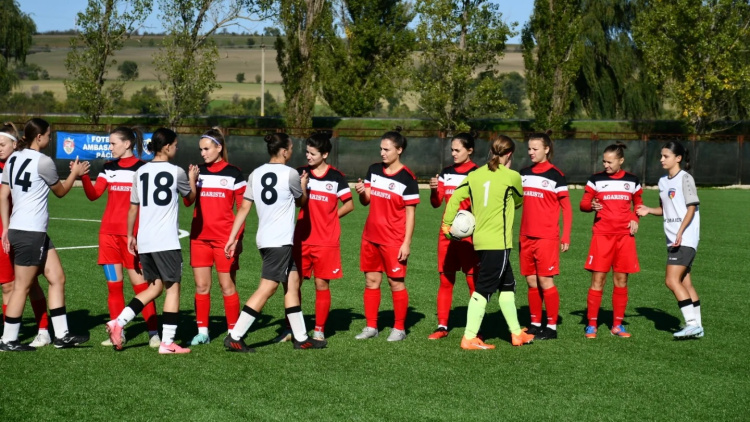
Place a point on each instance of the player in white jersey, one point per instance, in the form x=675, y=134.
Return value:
x=275, y=188
x=154, y=201
x=679, y=205
x=28, y=178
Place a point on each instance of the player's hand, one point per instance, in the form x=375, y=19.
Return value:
x=359, y=186
x=6, y=242
x=633, y=225
x=229, y=248
x=446, y=230
x=677, y=241
x=642, y=210
x=403, y=252
x=596, y=205
x=564, y=247
x=79, y=168
x=434, y=182
x=193, y=173
x=304, y=178
x=132, y=245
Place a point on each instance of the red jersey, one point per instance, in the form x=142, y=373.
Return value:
x=390, y=194
x=2, y=166
x=616, y=192
x=220, y=188
x=318, y=221
x=545, y=191
x=448, y=181
x=116, y=178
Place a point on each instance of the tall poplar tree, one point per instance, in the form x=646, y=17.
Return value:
x=16, y=30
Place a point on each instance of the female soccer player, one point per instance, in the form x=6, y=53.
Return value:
x=27, y=179
x=392, y=192
x=8, y=138
x=154, y=202
x=613, y=195
x=275, y=188
x=453, y=255
x=116, y=178
x=495, y=192
x=316, y=237
x=678, y=203
x=220, y=188
x=545, y=192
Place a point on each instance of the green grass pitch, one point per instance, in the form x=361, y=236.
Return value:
x=646, y=377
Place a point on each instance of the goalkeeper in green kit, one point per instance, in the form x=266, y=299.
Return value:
x=495, y=191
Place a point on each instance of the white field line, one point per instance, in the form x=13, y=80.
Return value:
x=182, y=233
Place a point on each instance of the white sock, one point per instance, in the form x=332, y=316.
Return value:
x=552, y=326
x=10, y=333
x=242, y=326
x=125, y=317
x=60, y=324
x=439, y=326
x=203, y=330
x=697, y=314
x=688, y=314
x=167, y=333
x=536, y=324
x=297, y=321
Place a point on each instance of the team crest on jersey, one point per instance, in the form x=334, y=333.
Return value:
x=392, y=186
x=671, y=193
x=329, y=187
x=627, y=186
x=545, y=183
x=223, y=182
x=69, y=145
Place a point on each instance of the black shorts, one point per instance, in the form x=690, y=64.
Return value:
x=494, y=272
x=163, y=265
x=29, y=248
x=681, y=255
x=277, y=263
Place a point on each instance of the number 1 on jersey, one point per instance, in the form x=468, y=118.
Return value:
x=486, y=192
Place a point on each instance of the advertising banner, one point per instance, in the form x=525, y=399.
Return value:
x=87, y=146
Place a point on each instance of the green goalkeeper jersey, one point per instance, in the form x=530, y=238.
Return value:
x=494, y=197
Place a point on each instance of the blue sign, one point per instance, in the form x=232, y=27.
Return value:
x=86, y=146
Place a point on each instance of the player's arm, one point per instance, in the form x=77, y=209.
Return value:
x=298, y=186
x=689, y=215
x=516, y=188
x=239, y=193
x=48, y=173
x=93, y=191
x=188, y=186
x=405, y=250
x=347, y=206
x=637, y=202
x=437, y=191
x=5, y=212
x=461, y=193
x=643, y=210
x=363, y=190
x=588, y=202
x=132, y=240
x=690, y=192
x=567, y=213
x=239, y=221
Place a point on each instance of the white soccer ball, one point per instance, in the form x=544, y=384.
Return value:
x=463, y=225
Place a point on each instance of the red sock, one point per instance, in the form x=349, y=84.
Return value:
x=232, y=309
x=322, y=307
x=470, y=282
x=400, y=306
x=445, y=297
x=594, y=302
x=535, y=305
x=552, y=301
x=115, y=299
x=202, y=309
x=619, y=303
x=40, y=313
x=149, y=311
x=372, y=305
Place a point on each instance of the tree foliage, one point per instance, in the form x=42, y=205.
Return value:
x=103, y=27
x=552, y=52
x=16, y=29
x=458, y=39
x=128, y=70
x=699, y=50
x=370, y=59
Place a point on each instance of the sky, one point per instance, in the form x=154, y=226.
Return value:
x=56, y=15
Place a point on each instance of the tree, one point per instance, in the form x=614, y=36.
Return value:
x=128, y=70
x=699, y=51
x=513, y=87
x=552, y=52
x=271, y=32
x=103, y=27
x=240, y=77
x=145, y=101
x=186, y=63
x=301, y=21
x=250, y=42
x=459, y=39
x=16, y=29
x=370, y=60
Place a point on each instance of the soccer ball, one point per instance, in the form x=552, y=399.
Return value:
x=463, y=225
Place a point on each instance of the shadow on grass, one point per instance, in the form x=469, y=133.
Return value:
x=605, y=317
x=385, y=318
x=663, y=321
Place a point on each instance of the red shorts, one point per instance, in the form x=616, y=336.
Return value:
x=207, y=253
x=539, y=256
x=7, y=274
x=323, y=261
x=454, y=256
x=612, y=251
x=374, y=258
x=113, y=249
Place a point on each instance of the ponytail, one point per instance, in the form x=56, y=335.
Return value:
x=501, y=146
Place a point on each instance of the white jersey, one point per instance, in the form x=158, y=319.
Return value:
x=29, y=174
x=273, y=188
x=676, y=194
x=155, y=188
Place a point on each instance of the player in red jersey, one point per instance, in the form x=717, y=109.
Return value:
x=613, y=195
x=116, y=178
x=545, y=192
x=8, y=138
x=316, y=236
x=220, y=189
x=453, y=255
x=392, y=192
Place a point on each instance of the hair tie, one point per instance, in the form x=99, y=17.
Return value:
x=212, y=138
x=8, y=135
